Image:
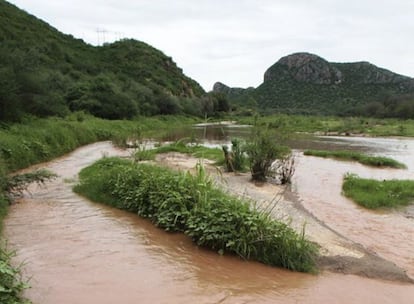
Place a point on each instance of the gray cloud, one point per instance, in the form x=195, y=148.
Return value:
x=236, y=41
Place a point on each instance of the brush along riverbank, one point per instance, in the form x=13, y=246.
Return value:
x=183, y=202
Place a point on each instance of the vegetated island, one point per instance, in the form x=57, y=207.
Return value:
x=374, y=194
x=191, y=204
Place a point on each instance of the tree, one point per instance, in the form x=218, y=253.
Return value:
x=10, y=107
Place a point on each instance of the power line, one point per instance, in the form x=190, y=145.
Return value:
x=100, y=31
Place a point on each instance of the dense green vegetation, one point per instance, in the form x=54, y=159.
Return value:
x=376, y=161
x=293, y=97
x=191, y=204
x=46, y=73
x=307, y=84
x=376, y=194
x=328, y=125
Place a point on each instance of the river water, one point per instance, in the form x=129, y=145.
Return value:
x=77, y=251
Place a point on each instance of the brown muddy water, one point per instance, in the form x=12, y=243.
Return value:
x=76, y=251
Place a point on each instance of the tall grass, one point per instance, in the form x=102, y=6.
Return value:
x=191, y=204
x=375, y=161
x=374, y=194
x=40, y=140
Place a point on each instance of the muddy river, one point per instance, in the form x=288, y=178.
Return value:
x=77, y=251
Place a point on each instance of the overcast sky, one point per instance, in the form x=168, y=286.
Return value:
x=235, y=41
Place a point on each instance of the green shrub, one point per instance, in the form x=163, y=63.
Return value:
x=191, y=204
x=262, y=150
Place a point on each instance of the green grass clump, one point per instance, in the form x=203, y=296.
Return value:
x=192, y=204
x=364, y=159
x=374, y=194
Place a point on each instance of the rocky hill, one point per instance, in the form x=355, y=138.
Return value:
x=308, y=84
x=44, y=72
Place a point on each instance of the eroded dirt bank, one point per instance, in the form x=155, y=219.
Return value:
x=76, y=251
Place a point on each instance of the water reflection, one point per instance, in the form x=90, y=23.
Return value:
x=210, y=133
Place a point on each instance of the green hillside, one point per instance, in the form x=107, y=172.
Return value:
x=44, y=72
x=304, y=83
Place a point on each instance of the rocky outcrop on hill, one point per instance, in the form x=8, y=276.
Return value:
x=304, y=67
x=305, y=83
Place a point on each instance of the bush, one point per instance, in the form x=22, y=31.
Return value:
x=262, y=151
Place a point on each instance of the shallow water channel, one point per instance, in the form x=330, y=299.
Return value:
x=318, y=181
x=77, y=251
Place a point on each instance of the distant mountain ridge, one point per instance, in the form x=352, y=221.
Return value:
x=306, y=83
